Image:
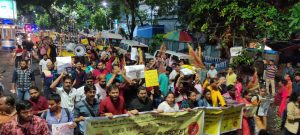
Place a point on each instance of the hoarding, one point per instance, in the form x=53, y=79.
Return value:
x=8, y=9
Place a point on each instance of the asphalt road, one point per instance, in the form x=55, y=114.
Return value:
x=7, y=63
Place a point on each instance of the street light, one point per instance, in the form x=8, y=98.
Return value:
x=104, y=4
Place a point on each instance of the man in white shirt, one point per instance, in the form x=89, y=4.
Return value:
x=212, y=72
x=67, y=93
x=43, y=63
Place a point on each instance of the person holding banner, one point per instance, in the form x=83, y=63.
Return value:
x=142, y=102
x=25, y=123
x=205, y=100
x=168, y=105
x=114, y=104
x=56, y=114
x=191, y=102
x=87, y=107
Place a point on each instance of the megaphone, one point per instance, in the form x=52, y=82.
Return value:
x=79, y=50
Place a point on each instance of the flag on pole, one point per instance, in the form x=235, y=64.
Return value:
x=194, y=58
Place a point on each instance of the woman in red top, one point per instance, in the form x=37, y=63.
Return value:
x=18, y=55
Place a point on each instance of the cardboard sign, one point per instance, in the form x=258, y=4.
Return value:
x=134, y=72
x=63, y=63
x=151, y=78
x=234, y=51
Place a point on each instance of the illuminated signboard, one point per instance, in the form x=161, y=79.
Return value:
x=8, y=9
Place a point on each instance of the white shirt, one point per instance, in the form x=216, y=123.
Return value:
x=43, y=63
x=167, y=108
x=67, y=100
x=100, y=93
x=172, y=75
x=212, y=73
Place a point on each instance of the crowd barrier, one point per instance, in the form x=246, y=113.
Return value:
x=199, y=121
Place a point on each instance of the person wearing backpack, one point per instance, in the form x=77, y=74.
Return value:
x=56, y=114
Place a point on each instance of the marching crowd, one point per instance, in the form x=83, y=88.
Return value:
x=97, y=85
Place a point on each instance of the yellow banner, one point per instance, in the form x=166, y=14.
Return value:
x=151, y=78
x=208, y=121
x=231, y=119
x=178, y=123
x=212, y=121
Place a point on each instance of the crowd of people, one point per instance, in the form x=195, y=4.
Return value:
x=97, y=85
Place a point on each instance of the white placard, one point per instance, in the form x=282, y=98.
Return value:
x=62, y=129
x=264, y=107
x=187, y=71
x=63, y=63
x=235, y=50
x=136, y=71
x=134, y=53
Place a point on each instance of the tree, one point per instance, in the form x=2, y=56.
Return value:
x=227, y=21
x=99, y=19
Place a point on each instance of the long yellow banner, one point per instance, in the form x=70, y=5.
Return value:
x=216, y=121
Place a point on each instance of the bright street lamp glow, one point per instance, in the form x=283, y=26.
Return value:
x=104, y=4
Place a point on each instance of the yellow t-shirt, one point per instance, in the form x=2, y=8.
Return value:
x=230, y=79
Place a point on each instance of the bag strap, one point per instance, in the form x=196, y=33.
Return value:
x=89, y=108
x=68, y=113
x=44, y=115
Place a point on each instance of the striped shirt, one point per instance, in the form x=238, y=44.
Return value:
x=271, y=70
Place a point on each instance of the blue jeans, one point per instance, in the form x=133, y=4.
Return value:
x=23, y=94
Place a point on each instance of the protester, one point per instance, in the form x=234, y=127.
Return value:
x=212, y=72
x=216, y=97
x=79, y=75
x=66, y=92
x=288, y=70
x=289, y=84
x=253, y=83
x=23, y=78
x=172, y=76
x=169, y=104
x=248, y=124
x=91, y=66
x=205, y=100
x=230, y=95
x=222, y=85
x=101, y=87
x=293, y=115
x=56, y=114
x=163, y=82
x=48, y=76
x=142, y=102
x=239, y=88
x=282, y=97
x=191, y=102
x=18, y=55
x=87, y=107
x=100, y=70
x=270, y=77
x=7, y=109
x=25, y=123
x=230, y=77
x=39, y=103
x=296, y=84
x=180, y=90
x=43, y=63
x=114, y=104
x=260, y=120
